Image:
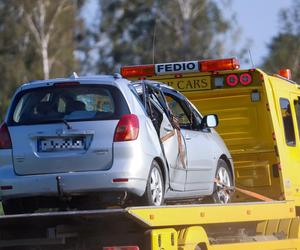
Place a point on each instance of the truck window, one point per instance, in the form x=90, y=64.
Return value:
x=297, y=109
x=287, y=122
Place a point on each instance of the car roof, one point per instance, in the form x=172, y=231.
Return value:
x=163, y=86
x=94, y=79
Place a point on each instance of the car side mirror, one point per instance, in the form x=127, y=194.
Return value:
x=209, y=121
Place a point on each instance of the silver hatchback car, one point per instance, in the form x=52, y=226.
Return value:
x=85, y=141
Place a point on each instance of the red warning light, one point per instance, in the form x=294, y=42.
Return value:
x=232, y=80
x=245, y=79
x=219, y=64
x=286, y=73
x=140, y=70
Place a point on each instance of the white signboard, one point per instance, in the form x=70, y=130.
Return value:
x=177, y=67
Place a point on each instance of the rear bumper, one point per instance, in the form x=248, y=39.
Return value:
x=129, y=162
x=73, y=183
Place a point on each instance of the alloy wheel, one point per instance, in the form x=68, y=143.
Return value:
x=224, y=180
x=156, y=187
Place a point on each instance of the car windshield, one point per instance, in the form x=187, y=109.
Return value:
x=68, y=103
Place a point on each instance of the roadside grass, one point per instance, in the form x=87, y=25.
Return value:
x=1, y=209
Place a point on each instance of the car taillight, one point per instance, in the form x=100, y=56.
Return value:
x=5, y=141
x=66, y=84
x=122, y=248
x=127, y=128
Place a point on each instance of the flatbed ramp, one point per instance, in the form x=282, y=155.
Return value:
x=256, y=225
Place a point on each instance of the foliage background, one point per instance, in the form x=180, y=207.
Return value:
x=52, y=38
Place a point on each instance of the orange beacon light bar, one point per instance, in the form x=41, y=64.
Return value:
x=219, y=64
x=286, y=73
x=180, y=67
x=141, y=70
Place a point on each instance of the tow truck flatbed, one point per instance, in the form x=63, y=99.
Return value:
x=253, y=111
x=213, y=223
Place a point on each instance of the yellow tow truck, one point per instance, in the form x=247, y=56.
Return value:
x=259, y=120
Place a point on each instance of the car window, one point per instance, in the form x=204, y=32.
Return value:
x=197, y=118
x=178, y=111
x=153, y=93
x=72, y=103
x=287, y=122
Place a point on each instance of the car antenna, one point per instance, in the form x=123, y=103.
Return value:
x=251, y=59
x=154, y=34
x=153, y=43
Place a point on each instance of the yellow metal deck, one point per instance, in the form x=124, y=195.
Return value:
x=212, y=213
x=184, y=227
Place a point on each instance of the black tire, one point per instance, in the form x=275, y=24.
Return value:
x=219, y=194
x=155, y=175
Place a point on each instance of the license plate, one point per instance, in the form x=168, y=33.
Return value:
x=187, y=84
x=60, y=144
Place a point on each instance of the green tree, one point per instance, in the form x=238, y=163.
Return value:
x=143, y=31
x=37, y=42
x=284, y=49
x=125, y=32
x=13, y=45
x=54, y=41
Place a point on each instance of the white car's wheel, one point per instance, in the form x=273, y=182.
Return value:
x=224, y=179
x=154, y=194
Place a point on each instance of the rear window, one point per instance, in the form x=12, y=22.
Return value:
x=69, y=103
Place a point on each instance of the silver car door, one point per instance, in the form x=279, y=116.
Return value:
x=200, y=163
x=200, y=158
x=173, y=146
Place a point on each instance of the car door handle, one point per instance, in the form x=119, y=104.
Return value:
x=187, y=138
